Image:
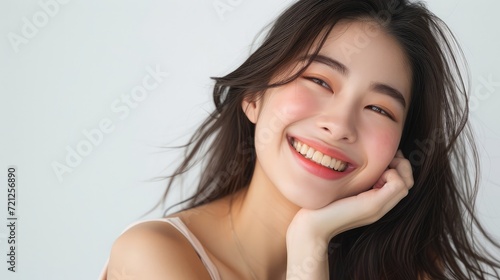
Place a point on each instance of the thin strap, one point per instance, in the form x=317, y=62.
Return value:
x=182, y=228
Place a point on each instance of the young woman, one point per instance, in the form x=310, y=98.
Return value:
x=337, y=150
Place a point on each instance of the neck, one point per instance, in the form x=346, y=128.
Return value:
x=261, y=217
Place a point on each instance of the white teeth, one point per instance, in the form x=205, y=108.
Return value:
x=326, y=160
x=332, y=163
x=337, y=165
x=342, y=166
x=303, y=149
x=318, y=157
x=310, y=153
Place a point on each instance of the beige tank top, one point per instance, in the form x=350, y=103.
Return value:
x=182, y=228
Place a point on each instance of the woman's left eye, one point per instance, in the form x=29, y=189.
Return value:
x=380, y=111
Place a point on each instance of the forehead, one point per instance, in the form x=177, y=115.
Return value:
x=370, y=53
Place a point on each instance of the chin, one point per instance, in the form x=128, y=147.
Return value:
x=310, y=201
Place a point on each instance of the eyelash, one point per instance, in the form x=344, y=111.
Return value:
x=319, y=82
x=380, y=111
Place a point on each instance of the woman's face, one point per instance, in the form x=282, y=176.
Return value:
x=348, y=107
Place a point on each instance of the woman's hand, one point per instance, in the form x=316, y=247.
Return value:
x=310, y=230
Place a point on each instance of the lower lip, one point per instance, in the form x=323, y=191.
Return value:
x=316, y=169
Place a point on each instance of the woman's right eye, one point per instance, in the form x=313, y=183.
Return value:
x=319, y=82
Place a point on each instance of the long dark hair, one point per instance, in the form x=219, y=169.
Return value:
x=429, y=233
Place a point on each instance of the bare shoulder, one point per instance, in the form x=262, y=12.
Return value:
x=154, y=250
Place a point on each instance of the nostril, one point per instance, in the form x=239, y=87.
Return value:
x=339, y=134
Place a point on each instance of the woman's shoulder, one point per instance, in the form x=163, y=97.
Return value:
x=155, y=250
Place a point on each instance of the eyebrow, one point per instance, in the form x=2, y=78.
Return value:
x=378, y=87
x=332, y=63
x=390, y=91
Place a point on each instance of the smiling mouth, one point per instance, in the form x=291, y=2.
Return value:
x=318, y=157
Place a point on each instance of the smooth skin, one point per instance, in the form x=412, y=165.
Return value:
x=286, y=216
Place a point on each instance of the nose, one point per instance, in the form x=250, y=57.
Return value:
x=338, y=121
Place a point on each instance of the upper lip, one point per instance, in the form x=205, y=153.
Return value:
x=324, y=149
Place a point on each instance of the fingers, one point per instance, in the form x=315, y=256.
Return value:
x=403, y=167
x=366, y=207
x=399, y=154
x=394, y=184
x=393, y=190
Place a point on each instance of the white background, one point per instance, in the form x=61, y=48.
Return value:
x=68, y=76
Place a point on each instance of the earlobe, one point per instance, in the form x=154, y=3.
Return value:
x=251, y=109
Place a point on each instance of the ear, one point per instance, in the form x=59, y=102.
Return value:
x=251, y=108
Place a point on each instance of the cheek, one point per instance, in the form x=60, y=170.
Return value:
x=382, y=144
x=282, y=106
x=293, y=102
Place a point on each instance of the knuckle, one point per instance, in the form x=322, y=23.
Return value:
x=411, y=182
x=406, y=164
x=392, y=172
x=405, y=192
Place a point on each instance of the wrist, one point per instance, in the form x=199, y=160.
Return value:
x=306, y=227
x=307, y=259
x=303, y=240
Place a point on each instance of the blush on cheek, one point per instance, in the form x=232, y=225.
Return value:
x=382, y=147
x=384, y=143
x=384, y=156
x=295, y=104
